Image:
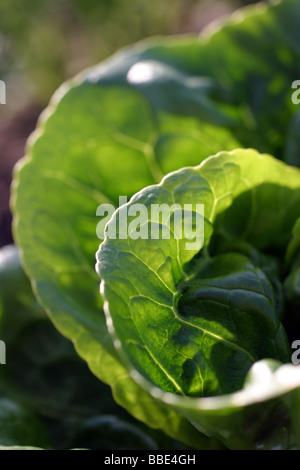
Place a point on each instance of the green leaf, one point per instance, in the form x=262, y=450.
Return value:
x=229, y=314
x=269, y=264
x=42, y=370
x=188, y=322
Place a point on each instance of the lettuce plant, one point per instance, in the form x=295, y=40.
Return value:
x=199, y=340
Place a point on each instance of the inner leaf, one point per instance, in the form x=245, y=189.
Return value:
x=229, y=321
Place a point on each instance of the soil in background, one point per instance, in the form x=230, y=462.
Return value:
x=13, y=137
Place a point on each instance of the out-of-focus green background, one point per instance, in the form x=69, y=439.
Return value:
x=43, y=43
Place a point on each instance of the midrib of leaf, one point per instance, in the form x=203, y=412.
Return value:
x=161, y=367
x=145, y=148
x=209, y=333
